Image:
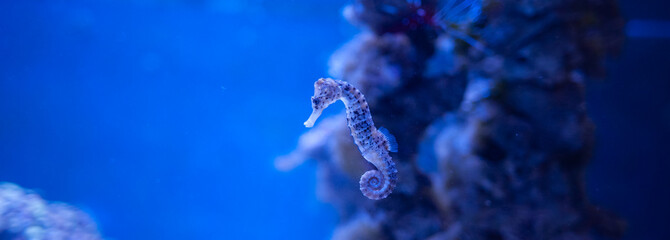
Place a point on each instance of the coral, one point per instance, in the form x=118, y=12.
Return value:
x=488, y=112
x=24, y=215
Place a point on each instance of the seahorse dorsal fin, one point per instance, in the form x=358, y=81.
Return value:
x=390, y=139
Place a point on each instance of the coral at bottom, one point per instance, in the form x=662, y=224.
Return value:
x=24, y=215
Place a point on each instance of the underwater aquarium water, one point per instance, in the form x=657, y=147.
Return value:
x=152, y=119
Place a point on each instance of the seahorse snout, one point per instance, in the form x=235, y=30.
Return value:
x=312, y=118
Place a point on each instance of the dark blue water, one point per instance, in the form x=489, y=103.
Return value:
x=162, y=120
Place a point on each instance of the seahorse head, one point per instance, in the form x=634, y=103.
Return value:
x=326, y=92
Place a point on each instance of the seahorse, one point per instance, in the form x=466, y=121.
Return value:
x=374, y=144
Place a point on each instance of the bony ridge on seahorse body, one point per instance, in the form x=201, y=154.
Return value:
x=373, y=143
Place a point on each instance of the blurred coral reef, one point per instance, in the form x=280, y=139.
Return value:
x=24, y=215
x=489, y=113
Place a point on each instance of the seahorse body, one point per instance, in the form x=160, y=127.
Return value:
x=373, y=143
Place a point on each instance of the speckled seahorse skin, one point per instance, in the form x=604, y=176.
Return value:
x=374, y=144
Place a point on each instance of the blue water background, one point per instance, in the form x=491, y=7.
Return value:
x=162, y=118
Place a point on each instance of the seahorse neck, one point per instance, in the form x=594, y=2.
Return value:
x=354, y=101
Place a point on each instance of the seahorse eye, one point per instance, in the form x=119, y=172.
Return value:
x=316, y=101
